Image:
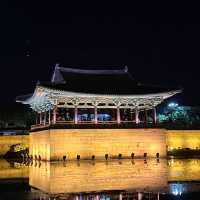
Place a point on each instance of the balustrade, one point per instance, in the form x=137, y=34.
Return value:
x=95, y=115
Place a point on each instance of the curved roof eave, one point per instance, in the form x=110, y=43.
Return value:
x=30, y=98
x=69, y=93
x=46, y=90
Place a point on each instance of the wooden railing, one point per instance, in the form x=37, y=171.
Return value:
x=91, y=124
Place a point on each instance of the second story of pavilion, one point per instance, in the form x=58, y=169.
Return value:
x=94, y=95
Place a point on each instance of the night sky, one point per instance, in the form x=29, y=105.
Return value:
x=159, y=45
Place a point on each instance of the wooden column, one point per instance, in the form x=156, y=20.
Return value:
x=154, y=115
x=118, y=116
x=76, y=198
x=76, y=115
x=120, y=196
x=44, y=120
x=50, y=116
x=136, y=116
x=158, y=196
x=40, y=117
x=97, y=197
x=54, y=115
x=140, y=196
x=95, y=115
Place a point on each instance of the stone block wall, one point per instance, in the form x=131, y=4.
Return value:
x=39, y=144
x=53, y=144
x=56, y=143
x=180, y=139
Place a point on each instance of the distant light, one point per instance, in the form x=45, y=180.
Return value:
x=177, y=189
x=172, y=105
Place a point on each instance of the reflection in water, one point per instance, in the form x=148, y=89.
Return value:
x=177, y=189
x=184, y=170
x=104, y=180
x=85, y=176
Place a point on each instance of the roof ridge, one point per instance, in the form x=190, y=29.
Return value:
x=94, y=71
x=57, y=76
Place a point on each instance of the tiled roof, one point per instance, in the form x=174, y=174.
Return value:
x=117, y=81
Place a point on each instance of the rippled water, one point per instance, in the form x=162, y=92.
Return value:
x=101, y=180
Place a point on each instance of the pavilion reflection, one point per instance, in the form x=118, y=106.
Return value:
x=118, y=195
x=84, y=176
x=105, y=180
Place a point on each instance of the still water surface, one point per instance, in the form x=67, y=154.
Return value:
x=101, y=180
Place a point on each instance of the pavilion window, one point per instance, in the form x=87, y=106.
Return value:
x=85, y=115
x=126, y=115
x=106, y=115
x=69, y=114
x=60, y=114
x=65, y=114
x=143, y=116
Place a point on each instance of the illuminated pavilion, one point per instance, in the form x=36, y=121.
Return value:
x=95, y=113
x=85, y=96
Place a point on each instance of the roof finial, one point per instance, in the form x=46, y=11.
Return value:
x=57, y=65
x=38, y=82
x=126, y=68
x=57, y=76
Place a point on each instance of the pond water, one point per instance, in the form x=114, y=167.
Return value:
x=101, y=180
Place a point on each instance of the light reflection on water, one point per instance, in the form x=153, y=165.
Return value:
x=117, y=179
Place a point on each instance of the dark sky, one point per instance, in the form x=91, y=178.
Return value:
x=160, y=45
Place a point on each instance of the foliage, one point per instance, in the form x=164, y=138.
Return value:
x=180, y=114
x=16, y=116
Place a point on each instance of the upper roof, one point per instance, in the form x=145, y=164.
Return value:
x=103, y=81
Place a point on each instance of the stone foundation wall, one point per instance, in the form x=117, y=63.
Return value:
x=53, y=144
x=39, y=144
x=56, y=143
x=180, y=139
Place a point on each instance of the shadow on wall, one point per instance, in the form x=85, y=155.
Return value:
x=185, y=153
x=17, y=151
